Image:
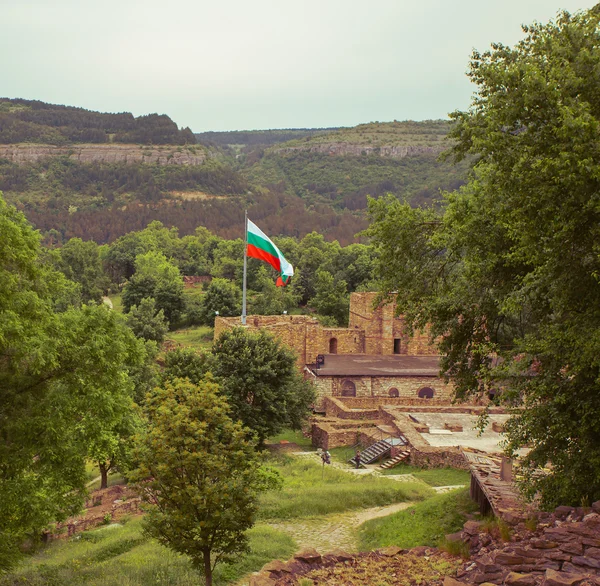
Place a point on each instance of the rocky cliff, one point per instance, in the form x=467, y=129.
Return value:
x=105, y=153
x=345, y=148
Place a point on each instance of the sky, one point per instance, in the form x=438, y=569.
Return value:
x=257, y=64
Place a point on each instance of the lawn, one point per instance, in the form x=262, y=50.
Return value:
x=292, y=436
x=433, y=476
x=121, y=555
x=199, y=338
x=311, y=490
x=423, y=524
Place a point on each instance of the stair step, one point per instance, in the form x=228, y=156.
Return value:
x=395, y=460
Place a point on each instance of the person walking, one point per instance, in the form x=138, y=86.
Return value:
x=357, y=458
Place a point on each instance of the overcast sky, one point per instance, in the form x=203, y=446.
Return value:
x=248, y=64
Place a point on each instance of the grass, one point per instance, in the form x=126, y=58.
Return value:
x=200, y=337
x=113, y=478
x=292, y=436
x=433, y=476
x=424, y=524
x=123, y=556
x=117, y=302
x=310, y=490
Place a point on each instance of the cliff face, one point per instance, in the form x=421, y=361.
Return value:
x=344, y=148
x=104, y=153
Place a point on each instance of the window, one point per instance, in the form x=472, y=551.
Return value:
x=426, y=393
x=333, y=346
x=393, y=392
x=396, y=345
x=348, y=388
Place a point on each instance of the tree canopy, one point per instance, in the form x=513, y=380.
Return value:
x=200, y=474
x=508, y=272
x=261, y=382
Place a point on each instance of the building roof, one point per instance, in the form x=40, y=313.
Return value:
x=378, y=365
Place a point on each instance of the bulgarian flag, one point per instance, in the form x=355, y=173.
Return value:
x=260, y=246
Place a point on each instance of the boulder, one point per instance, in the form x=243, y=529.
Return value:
x=554, y=578
x=276, y=566
x=516, y=579
x=390, y=551
x=309, y=556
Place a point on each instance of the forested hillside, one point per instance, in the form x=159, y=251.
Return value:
x=76, y=173
x=39, y=122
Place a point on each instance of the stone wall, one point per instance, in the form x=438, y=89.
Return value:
x=382, y=327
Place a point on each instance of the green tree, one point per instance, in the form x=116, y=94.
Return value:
x=511, y=267
x=185, y=363
x=261, y=381
x=146, y=322
x=270, y=299
x=331, y=298
x=80, y=262
x=199, y=474
x=158, y=278
x=63, y=377
x=222, y=296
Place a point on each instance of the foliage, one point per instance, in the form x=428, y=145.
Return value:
x=185, y=363
x=309, y=490
x=159, y=279
x=147, y=322
x=424, y=524
x=510, y=269
x=64, y=379
x=331, y=298
x=261, y=382
x=118, y=555
x=199, y=474
x=221, y=296
x=39, y=122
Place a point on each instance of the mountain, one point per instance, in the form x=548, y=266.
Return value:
x=77, y=173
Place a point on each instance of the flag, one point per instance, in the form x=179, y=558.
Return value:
x=261, y=247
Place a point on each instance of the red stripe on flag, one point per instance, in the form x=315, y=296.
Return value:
x=261, y=254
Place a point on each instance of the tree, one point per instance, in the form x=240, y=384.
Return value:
x=158, y=278
x=63, y=376
x=185, y=363
x=222, y=296
x=80, y=262
x=146, y=322
x=260, y=379
x=331, y=298
x=510, y=268
x=199, y=473
x=271, y=300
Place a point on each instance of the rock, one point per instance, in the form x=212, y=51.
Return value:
x=310, y=556
x=543, y=544
x=421, y=550
x=509, y=559
x=487, y=565
x=592, y=552
x=563, y=511
x=390, y=551
x=471, y=527
x=448, y=581
x=596, y=506
x=557, y=555
x=591, y=518
x=516, y=579
x=261, y=580
x=495, y=578
x=554, y=578
x=574, y=547
x=586, y=562
x=583, y=530
x=453, y=537
x=591, y=542
x=341, y=555
x=276, y=566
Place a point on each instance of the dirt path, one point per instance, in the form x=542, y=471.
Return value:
x=332, y=531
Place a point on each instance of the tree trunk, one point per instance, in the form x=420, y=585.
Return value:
x=103, y=475
x=207, y=568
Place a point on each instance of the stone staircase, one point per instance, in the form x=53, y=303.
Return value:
x=373, y=452
x=395, y=460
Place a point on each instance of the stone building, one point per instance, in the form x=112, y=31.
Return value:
x=373, y=357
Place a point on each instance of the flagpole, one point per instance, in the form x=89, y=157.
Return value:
x=245, y=267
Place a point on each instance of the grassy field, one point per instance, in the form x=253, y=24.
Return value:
x=295, y=437
x=424, y=524
x=121, y=555
x=199, y=338
x=433, y=476
x=310, y=490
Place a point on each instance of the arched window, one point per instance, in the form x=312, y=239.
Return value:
x=426, y=393
x=393, y=392
x=348, y=388
x=333, y=346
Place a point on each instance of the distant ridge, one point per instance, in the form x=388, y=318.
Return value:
x=33, y=121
